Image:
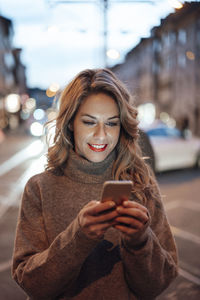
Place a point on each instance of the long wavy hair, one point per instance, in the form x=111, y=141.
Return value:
x=129, y=164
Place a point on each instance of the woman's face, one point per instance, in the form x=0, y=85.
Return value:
x=96, y=127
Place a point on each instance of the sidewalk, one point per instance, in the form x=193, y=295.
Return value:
x=13, y=141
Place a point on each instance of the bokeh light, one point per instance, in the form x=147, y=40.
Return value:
x=113, y=54
x=36, y=129
x=12, y=103
x=30, y=104
x=39, y=114
x=190, y=55
x=169, y=121
x=52, y=90
x=146, y=114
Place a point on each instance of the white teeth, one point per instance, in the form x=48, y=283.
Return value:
x=98, y=146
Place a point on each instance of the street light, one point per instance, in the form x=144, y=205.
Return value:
x=113, y=53
x=176, y=4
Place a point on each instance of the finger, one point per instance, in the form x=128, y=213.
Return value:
x=134, y=204
x=106, y=216
x=91, y=204
x=133, y=212
x=124, y=229
x=100, y=226
x=100, y=207
x=98, y=229
x=131, y=222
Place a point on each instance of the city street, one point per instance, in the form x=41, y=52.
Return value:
x=20, y=158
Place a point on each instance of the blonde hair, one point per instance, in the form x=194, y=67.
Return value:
x=129, y=163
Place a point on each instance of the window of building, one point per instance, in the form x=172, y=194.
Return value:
x=172, y=37
x=182, y=36
x=155, y=67
x=169, y=38
x=165, y=40
x=9, y=80
x=170, y=62
x=181, y=60
x=157, y=47
x=9, y=60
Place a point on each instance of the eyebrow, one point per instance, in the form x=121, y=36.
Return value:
x=92, y=117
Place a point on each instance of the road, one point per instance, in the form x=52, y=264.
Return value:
x=20, y=157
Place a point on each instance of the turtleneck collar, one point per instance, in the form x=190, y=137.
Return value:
x=81, y=170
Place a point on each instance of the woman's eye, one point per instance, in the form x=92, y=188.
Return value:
x=112, y=124
x=88, y=122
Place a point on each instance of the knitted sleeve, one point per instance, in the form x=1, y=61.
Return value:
x=150, y=269
x=40, y=268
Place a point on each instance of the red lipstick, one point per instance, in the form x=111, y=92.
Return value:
x=98, y=147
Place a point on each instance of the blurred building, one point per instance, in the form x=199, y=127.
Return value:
x=12, y=72
x=42, y=100
x=164, y=69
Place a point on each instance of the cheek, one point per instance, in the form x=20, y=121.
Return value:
x=81, y=134
x=114, y=136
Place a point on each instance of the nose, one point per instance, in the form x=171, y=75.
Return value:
x=100, y=132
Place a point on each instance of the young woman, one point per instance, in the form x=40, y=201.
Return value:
x=69, y=244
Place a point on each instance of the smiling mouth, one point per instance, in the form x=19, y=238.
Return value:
x=98, y=147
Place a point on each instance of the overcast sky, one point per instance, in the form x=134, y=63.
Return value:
x=60, y=40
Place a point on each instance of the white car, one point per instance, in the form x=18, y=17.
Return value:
x=171, y=150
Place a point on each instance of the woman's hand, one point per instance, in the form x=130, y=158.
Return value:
x=96, y=217
x=132, y=221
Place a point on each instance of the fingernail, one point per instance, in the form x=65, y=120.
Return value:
x=111, y=204
x=125, y=203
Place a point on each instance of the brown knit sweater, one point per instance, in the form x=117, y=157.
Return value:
x=53, y=259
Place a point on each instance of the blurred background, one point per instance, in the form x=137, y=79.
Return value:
x=154, y=48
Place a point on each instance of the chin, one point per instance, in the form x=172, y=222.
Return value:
x=96, y=159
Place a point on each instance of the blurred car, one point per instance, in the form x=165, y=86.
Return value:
x=172, y=150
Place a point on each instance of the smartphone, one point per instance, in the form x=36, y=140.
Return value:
x=116, y=189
